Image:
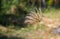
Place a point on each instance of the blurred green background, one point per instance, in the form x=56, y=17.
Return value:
x=19, y=8
x=13, y=12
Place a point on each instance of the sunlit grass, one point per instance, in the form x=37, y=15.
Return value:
x=52, y=13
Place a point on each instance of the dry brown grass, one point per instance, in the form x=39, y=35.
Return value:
x=4, y=29
x=52, y=23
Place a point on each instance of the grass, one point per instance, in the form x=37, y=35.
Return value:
x=52, y=13
x=29, y=32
